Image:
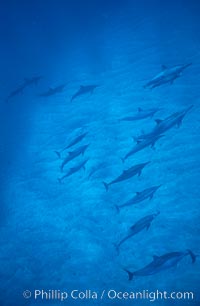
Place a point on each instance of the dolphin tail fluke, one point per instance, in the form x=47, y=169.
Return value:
x=58, y=154
x=106, y=185
x=73, y=97
x=59, y=180
x=123, y=159
x=135, y=139
x=116, y=247
x=117, y=208
x=192, y=255
x=130, y=274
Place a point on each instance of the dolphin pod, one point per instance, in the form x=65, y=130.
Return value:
x=167, y=75
x=73, y=170
x=166, y=124
x=142, y=144
x=73, y=154
x=73, y=142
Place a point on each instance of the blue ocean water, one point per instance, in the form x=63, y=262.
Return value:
x=63, y=235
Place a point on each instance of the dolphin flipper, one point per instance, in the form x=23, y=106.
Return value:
x=59, y=180
x=117, y=208
x=116, y=247
x=130, y=274
x=58, y=154
x=106, y=185
x=148, y=226
x=123, y=159
x=192, y=255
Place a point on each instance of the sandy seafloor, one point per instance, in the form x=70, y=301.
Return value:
x=61, y=236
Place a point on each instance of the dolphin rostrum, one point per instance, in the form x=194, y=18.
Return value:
x=161, y=263
x=74, y=141
x=140, y=197
x=142, y=144
x=71, y=155
x=127, y=174
x=84, y=90
x=167, y=75
x=143, y=223
x=73, y=170
x=142, y=114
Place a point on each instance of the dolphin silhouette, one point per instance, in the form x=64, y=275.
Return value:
x=127, y=174
x=142, y=114
x=141, y=224
x=139, y=197
x=74, y=170
x=73, y=154
x=161, y=263
x=84, y=90
x=166, y=124
x=167, y=75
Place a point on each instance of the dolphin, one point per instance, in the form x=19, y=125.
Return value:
x=143, y=223
x=142, y=144
x=161, y=263
x=33, y=80
x=140, y=197
x=53, y=91
x=142, y=114
x=27, y=82
x=127, y=174
x=71, y=155
x=84, y=90
x=74, y=170
x=76, y=140
x=164, y=125
x=15, y=92
x=167, y=75
x=95, y=169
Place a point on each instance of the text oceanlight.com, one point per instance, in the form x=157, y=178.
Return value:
x=40, y=294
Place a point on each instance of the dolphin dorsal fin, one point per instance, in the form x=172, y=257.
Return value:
x=140, y=109
x=164, y=67
x=158, y=121
x=137, y=192
x=155, y=257
x=139, y=141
